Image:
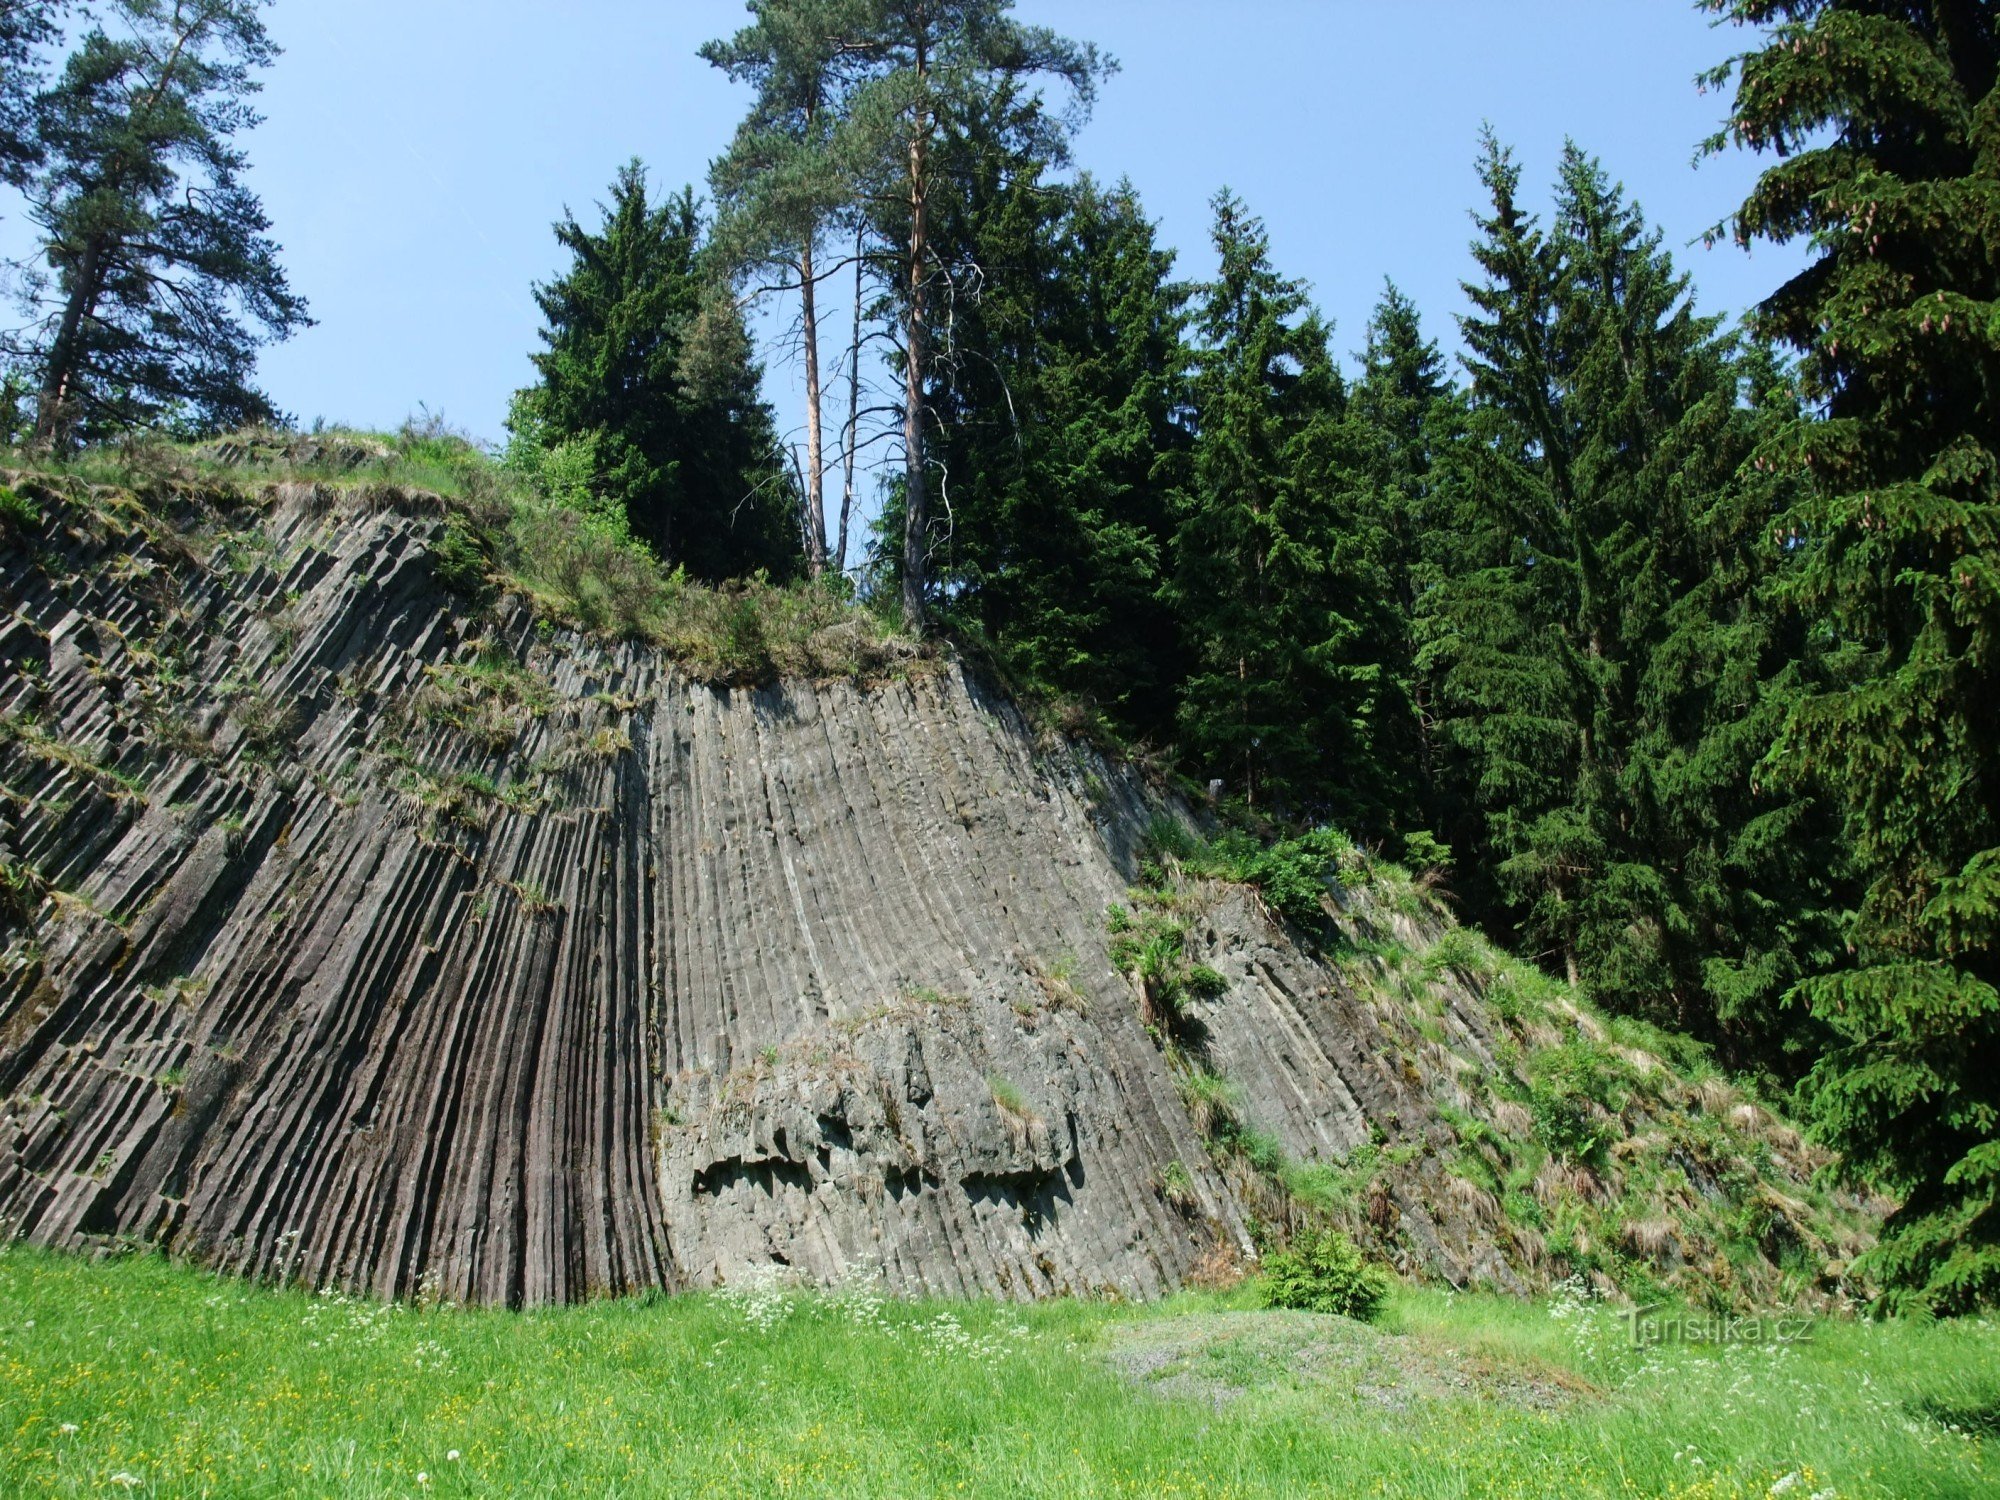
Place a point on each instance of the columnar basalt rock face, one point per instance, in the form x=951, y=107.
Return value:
x=353, y=937
x=382, y=947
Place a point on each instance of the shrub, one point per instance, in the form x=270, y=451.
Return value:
x=463, y=563
x=1321, y=1271
x=1572, y=1083
x=19, y=515
x=1205, y=983
x=1425, y=853
x=1294, y=875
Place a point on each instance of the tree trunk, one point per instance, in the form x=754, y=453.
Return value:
x=853, y=411
x=60, y=374
x=815, y=461
x=916, y=512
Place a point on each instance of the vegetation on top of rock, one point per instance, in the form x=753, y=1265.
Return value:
x=504, y=534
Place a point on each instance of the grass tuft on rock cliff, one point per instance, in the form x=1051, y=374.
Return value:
x=1583, y=1143
x=502, y=537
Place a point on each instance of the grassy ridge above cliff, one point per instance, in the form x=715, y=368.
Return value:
x=506, y=533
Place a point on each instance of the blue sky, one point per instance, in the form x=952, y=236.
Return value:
x=416, y=151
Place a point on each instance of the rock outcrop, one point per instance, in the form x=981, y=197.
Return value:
x=357, y=937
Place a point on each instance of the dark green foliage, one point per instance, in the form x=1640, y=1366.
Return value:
x=1609, y=670
x=1886, y=119
x=1423, y=852
x=161, y=279
x=463, y=562
x=1295, y=875
x=25, y=27
x=1057, y=405
x=19, y=515
x=650, y=377
x=1205, y=983
x=1411, y=418
x=1321, y=1271
x=1277, y=575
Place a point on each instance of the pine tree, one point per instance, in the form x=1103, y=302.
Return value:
x=1277, y=578
x=25, y=27
x=1886, y=121
x=929, y=66
x=163, y=277
x=784, y=185
x=641, y=363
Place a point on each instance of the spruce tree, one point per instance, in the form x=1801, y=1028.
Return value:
x=1083, y=600
x=1750, y=871
x=1057, y=402
x=1885, y=119
x=642, y=363
x=1411, y=416
x=1610, y=670
x=1276, y=574
x=161, y=277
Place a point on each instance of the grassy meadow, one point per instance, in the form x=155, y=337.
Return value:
x=138, y=1376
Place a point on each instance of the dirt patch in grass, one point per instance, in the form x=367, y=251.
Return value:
x=1220, y=1358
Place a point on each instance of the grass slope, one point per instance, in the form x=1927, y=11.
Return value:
x=138, y=1376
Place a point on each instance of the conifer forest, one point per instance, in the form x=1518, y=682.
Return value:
x=1594, y=696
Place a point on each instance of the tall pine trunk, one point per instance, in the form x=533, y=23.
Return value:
x=853, y=412
x=64, y=353
x=916, y=511
x=815, y=461
x=61, y=372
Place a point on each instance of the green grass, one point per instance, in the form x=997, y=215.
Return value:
x=192, y=1384
x=504, y=533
